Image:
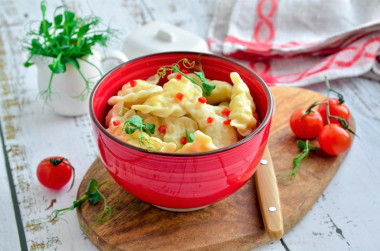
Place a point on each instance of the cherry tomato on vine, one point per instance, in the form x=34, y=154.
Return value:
x=336, y=109
x=334, y=140
x=55, y=172
x=304, y=124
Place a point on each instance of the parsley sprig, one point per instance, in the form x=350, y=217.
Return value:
x=206, y=88
x=66, y=39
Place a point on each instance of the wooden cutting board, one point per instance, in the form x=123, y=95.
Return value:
x=233, y=223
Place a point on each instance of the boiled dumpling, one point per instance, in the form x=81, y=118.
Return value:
x=176, y=128
x=212, y=124
x=242, y=107
x=201, y=143
x=135, y=94
x=170, y=101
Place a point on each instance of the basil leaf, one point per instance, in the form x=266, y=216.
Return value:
x=136, y=120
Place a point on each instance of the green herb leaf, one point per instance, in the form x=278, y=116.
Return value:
x=207, y=88
x=75, y=204
x=136, y=120
x=305, y=147
x=130, y=130
x=74, y=62
x=57, y=66
x=69, y=17
x=189, y=136
x=91, y=187
x=201, y=76
x=43, y=8
x=27, y=64
x=44, y=27
x=149, y=128
x=58, y=19
x=93, y=197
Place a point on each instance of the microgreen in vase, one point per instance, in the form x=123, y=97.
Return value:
x=67, y=39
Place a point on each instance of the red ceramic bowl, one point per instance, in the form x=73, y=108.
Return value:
x=180, y=181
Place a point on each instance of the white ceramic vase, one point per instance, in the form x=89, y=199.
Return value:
x=67, y=87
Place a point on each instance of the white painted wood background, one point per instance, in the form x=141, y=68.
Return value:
x=346, y=216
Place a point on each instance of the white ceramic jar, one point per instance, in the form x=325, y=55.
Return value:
x=67, y=88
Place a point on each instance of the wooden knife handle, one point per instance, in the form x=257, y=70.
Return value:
x=269, y=197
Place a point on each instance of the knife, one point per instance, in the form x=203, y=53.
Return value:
x=269, y=197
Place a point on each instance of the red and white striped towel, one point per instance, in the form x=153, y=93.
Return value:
x=298, y=42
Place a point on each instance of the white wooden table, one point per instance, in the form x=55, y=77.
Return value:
x=346, y=216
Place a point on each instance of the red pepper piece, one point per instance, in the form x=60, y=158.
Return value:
x=184, y=71
x=179, y=96
x=227, y=122
x=226, y=112
x=133, y=83
x=202, y=100
x=116, y=122
x=162, y=129
x=183, y=140
x=210, y=120
x=178, y=76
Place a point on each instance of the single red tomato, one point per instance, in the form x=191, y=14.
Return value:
x=334, y=140
x=54, y=172
x=306, y=125
x=336, y=109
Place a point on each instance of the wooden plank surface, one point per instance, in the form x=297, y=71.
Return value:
x=233, y=223
x=344, y=218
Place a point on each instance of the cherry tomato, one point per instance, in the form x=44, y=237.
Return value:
x=334, y=139
x=306, y=126
x=54, y=172
x=336, y=109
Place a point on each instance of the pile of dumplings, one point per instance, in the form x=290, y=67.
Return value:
x=177, y=107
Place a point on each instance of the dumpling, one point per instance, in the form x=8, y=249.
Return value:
x=154, y=79
x=137, y=94
x=219, y=108
x=242, y=107
x=170, y=101
x=175, y=129
x=118, y=112
x=212, y=124
x=221, y=93
x=201, y=143
x=145, y=141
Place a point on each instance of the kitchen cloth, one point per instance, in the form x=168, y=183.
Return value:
x=299, y=42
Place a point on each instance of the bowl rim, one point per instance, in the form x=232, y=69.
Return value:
x=262, y=125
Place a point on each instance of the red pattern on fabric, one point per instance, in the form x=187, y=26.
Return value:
x=324, y=65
